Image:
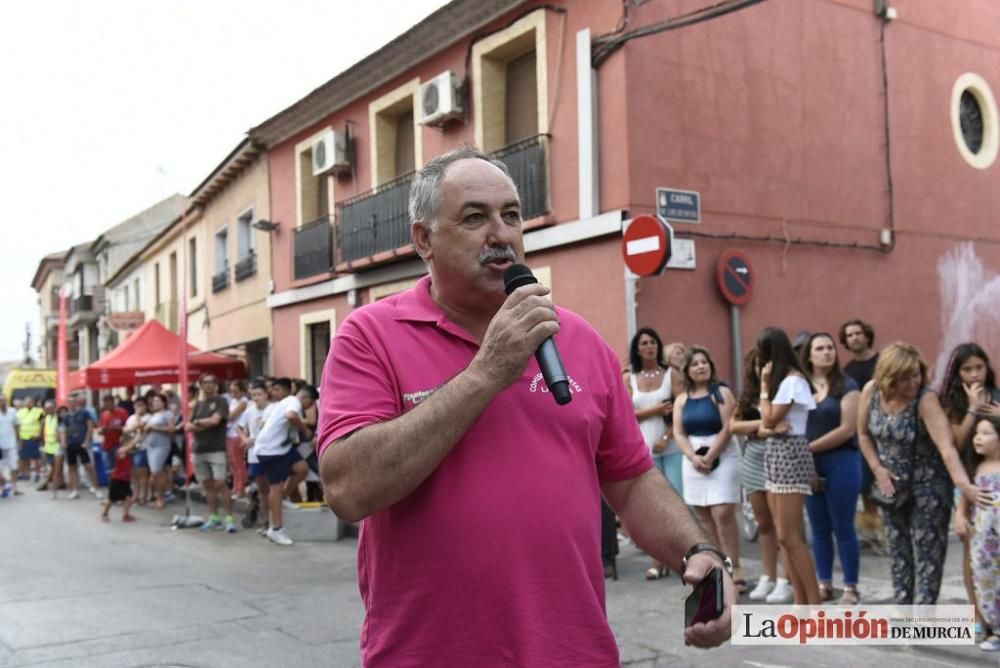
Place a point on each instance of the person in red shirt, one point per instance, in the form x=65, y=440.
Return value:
x=120, y=485
x=111, y=423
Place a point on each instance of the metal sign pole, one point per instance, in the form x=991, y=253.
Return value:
x=736, y=334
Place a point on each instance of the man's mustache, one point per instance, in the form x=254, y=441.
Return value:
x=495, y=253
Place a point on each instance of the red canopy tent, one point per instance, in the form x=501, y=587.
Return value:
x=152, y=355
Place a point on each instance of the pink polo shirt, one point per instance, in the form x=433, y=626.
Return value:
x=494, y=560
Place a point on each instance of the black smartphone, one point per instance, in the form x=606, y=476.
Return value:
x=705, y=603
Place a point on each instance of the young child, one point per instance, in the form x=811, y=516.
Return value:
x=985, y=527
x=120, y=485
x=249, y=426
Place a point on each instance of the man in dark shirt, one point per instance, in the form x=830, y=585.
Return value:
x=208, y=423
x=79, y=432
x=859, y=338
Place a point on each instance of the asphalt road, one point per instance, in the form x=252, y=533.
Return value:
x=76, y=592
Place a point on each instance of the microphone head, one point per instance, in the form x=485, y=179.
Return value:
x=516, y=276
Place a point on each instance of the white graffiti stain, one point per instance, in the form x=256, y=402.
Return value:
x=970, y=304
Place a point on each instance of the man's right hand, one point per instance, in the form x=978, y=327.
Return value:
x=525, y=320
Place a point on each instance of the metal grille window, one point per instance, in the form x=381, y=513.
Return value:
x=528, y=166
x=246, y=267
x=375, y=221
x=319, y=348
x=970, y=116
x=313, y=248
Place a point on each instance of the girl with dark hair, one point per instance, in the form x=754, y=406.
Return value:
x=786, y=396
x=648, y=383
x=982, y=531
x=711, y=469
x=831, y=428
x=969, y=392
x=746, y=421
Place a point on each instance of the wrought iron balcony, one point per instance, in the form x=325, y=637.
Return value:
x=246, y=267
x=220, y=281
x=375, y=221
x=313, y=252
x=378, y=221
x=527, y=161
x=81, y=304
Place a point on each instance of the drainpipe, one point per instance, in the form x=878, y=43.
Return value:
x=586, y=114
x=588, y=140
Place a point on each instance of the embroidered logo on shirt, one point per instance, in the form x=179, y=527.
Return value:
x=538, y=385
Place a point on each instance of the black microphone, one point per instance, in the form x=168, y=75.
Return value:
x=547, y=354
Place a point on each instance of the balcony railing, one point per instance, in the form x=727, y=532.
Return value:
x=375, y=222
x=220, y=281
x=246, y=267
x=81, y=304
x=528, y=167
x=166, y=313
x=313, y=251
x=378, y=221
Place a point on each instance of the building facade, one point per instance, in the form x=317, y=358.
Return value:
x=849, y=153
x=230, y=207
x=47, y=282
x=113, y=249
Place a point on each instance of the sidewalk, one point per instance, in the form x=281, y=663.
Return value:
x=875, y=586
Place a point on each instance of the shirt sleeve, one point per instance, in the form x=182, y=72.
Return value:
x=621, y=453
x=358, y=387
x=794, y=390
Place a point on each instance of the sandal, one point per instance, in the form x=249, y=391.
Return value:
x=826, y=592
x=849, y=597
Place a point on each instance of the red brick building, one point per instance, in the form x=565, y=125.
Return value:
x=825, y=139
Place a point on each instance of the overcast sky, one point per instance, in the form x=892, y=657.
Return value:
x=110, y=105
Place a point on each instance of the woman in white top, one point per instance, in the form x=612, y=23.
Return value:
x=786, y=396
x=648, y=383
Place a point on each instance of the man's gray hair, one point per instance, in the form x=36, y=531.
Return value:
x=425, y=190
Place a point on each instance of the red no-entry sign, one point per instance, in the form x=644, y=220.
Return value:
x=735, y=276
x=646, y=246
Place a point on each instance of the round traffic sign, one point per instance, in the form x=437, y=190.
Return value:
x=735, y=277
x=646, y=246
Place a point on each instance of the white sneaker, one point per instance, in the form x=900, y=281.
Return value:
x=782, y=592
x=764, y=587
x=278, y=537
x=289, y=504
x=74, y=495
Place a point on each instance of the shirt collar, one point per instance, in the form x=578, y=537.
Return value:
x=418, y=305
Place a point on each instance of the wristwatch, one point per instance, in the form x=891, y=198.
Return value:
x=708, y=547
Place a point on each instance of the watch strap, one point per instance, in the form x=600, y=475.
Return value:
x=708, y=547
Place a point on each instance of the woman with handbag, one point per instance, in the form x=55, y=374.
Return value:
x=711, y=470
x=905, y=437
x=648, y=383
x=968, y=393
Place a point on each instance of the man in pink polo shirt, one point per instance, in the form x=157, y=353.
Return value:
x=480, y=496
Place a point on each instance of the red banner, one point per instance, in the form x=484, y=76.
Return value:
x=62, y=354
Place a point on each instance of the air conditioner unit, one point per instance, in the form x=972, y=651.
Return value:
x=330, y=153
x=440, y=99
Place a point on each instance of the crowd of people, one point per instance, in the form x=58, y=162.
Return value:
x=808, y=437
x=256, y=441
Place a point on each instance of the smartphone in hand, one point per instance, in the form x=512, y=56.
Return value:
x=706, y=601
